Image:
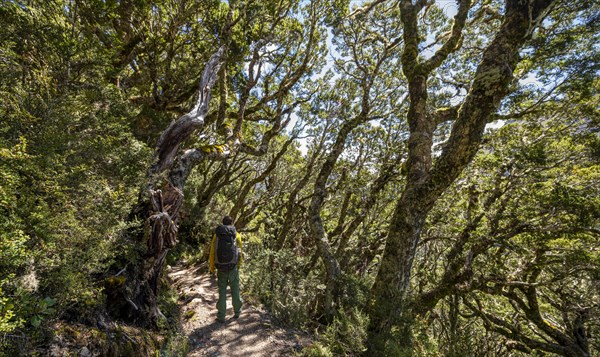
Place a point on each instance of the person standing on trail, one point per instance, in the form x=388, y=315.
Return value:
x=226, y=256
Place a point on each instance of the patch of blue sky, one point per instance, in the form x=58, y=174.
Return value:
x=449, y=8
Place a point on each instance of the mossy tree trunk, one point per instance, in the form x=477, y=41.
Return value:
x=366, y=78
x=332, y=266
x=389, y=310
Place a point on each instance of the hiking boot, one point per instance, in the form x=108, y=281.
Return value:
x=236, y=315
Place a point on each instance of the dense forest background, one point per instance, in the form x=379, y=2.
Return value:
x=409, y=176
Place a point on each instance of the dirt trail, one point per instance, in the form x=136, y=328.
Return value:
x=252, y=334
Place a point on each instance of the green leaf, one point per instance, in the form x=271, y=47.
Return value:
x=36, y=321
x=48, y=301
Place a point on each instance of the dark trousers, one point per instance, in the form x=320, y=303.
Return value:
x=231, y=278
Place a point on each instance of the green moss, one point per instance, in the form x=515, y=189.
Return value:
x=210, y=149
x=188, y=315
x=114, y=281
x=225, y=126
x=98, y=335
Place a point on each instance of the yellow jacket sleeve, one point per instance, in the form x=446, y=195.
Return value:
x=211, y=257
x=239, y=244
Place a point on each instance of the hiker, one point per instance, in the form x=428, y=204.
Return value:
x=225, y=255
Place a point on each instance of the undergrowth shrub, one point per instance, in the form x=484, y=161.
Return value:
x=347, y=334
x=63, y=197
x=276, y=279
x=316, y=350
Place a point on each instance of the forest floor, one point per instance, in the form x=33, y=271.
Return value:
x=252, y=334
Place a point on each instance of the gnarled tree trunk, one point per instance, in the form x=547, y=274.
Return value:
x=133, y=295
x=425, y=184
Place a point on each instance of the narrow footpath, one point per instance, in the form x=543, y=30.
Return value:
x=252, y=334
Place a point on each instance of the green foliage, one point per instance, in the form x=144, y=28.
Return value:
x=15, y=254
x=8, y=320
x=274, y=279
x=355, y=291
x=316, y=350
x=43, y=309
x=86, y=88
x=347, y=334
x=69, y=167
x=535, y=190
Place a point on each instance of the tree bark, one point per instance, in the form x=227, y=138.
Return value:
x=316, y=224
x=240, y=203
x=292, y=203
x=425, y=184
x=135, y=297
x=385, y=175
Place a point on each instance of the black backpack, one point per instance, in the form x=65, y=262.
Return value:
x=226, y=250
